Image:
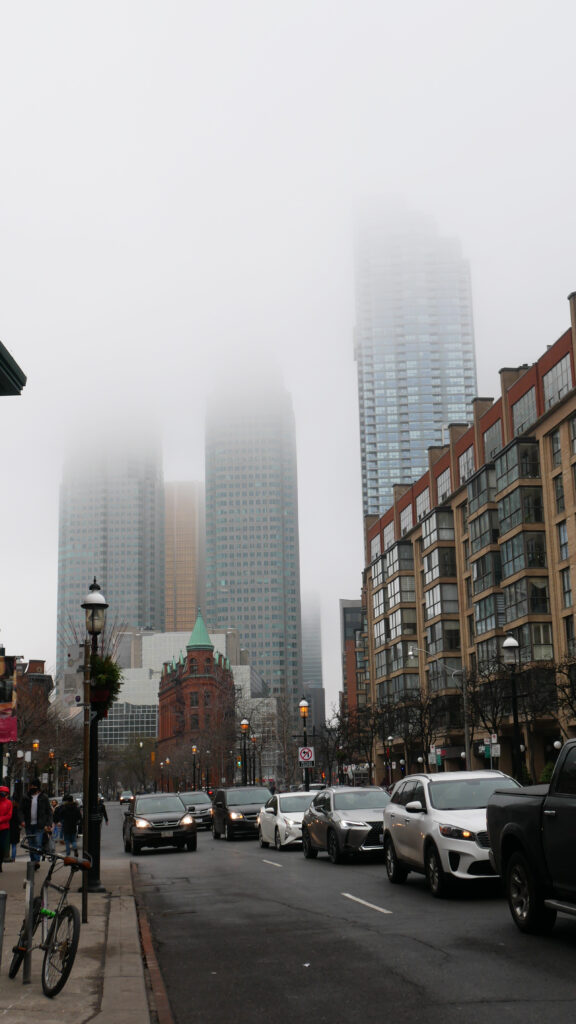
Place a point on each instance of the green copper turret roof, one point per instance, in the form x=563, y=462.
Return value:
x=200, y=638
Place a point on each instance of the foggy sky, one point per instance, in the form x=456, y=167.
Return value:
x=179, y=187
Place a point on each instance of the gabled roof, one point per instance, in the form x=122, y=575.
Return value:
x=200, y=638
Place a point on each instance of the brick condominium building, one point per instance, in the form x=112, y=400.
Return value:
x=482, y=547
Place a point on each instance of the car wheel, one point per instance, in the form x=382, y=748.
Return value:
x=277, y=839
x=396, y=871
x=307, y=849
x=262, y=841
x=333, y=848
x=438, y=881
x=228, y=832
x=134, y=847
x=525, y=898
x=192, y=844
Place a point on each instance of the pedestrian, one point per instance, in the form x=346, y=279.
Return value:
x=5, y=815
x=36, y=816
x=68, y=815
x=102, y=810
x=57, y=827
x=14, y=830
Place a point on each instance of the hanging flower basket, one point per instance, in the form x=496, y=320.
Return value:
x=105, y=684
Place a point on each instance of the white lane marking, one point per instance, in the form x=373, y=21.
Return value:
x=372, y=906
x=272, y=862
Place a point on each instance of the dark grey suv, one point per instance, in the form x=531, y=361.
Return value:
x=235, y=811
x=158, y=819
x=344, y=820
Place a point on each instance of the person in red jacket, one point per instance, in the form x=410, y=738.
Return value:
x=5, y=815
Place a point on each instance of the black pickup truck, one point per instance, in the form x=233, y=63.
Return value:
x=532, y=835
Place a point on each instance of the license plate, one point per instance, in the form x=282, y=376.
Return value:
x=166, y=835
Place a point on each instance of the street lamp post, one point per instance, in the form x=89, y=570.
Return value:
x=511, y=649
x=167, y=763
x=244, y=725
x=304, y=708
x=161, y=776
x=253, y=739
x=95, y=608
x=194, y=752
x=389, y=741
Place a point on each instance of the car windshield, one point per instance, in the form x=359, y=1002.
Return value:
x=294, y=803
x=466, y=794
x=195, y=798
x=360, y=799
x=159, y=804
x=250, y=795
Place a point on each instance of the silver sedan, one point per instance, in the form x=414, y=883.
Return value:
x=280, y=820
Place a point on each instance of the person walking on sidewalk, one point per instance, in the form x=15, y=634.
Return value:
x=36, y=816
x=102, y=810
x=5, y=815
x=68, y=814
x=14, y=830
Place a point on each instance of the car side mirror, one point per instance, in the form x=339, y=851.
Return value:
x=269, y=810
x=414, y=807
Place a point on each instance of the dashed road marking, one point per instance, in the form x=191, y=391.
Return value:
x=372, y=906
x=272, y=862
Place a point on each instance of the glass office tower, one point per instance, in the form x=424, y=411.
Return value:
x=252, y=556
x=111, y=526
x=414, y=347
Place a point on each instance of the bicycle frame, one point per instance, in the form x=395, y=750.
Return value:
x=47, y=913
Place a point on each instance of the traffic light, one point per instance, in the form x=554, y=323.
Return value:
x=239, y=762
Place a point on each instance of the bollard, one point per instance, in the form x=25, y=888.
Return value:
x=3, y=898
x=29, y=917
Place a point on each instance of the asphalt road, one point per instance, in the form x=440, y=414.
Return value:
x=249, y=935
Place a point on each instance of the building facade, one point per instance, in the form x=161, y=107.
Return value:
x=184, y=552
x=414, y=348
x=252, y=547
x=111, y=525
x=482, y=548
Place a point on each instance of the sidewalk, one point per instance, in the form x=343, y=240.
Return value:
x=107, y=983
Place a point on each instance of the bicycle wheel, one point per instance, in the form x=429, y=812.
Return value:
x=19, y=950
x=61, y=947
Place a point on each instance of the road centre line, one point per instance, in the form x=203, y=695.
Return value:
x=272, y=862
x=372, y=906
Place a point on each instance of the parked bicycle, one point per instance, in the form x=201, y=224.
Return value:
x=59, y=925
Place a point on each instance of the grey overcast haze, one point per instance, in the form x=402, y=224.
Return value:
x=179, y=184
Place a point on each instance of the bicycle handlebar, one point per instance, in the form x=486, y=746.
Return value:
x=73, y=862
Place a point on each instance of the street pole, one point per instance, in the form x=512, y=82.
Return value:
x=511, y=649
x=86, y=776
x=244, y=725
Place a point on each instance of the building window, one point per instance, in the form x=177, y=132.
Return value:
x=523, y=551
x=481, y=490
x=524, y=505
x=438, y=526
x=423, y=504
x=374, y=547
x=440, y=562
x=562, y=531
x=402, y=623
x=388, y=535
x=486, y=571
x=443, y=486
x=524, y=412
x=193, y=667
x=442, y=636
x=557, y=382
x=441, y=600
x=484, y=530
x=193, y=701
x=555, y=448
x=519, y=461
x=528, y=596
x=406, y=520
x=466, y=464
x=569, y=634
x=492, y=440
x=573, y=435
x=559, y=493
x=378, y=602
x=401, y=590
x=489, y=614
x=566, y=588
x=400, y=558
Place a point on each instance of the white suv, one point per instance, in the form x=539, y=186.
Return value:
x=436, y=825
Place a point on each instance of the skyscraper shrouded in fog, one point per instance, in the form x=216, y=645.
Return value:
x=414, y=347
x=184, y=553
x=252, y=548
x=111, y=526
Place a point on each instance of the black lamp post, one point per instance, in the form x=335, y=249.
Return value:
x=511, y=649
x=304, y=708
x=95, y=608
x=194, y=752
x=253, y=739
x=244, y=725
x=161, y=776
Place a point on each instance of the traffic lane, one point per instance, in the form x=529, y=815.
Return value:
x=242, y=932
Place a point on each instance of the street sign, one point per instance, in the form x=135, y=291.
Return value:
x=306, y=755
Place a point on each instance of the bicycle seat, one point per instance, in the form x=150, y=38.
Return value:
x=74, y=862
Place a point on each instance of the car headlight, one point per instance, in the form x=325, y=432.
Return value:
x=141, y=823
x=452, y=832
x=351, y=824
x=235, y=815
x=290, y=823
x=186, y=820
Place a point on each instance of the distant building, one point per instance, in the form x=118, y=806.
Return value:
x=252, y=548
x=184, y=546
x=414, y=347
x=111, y=526
x=355, y=679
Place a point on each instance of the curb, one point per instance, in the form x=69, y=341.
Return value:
x=159, y=1004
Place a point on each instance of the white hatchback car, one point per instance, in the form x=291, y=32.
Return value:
x=436, y=825
x=280, y=820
